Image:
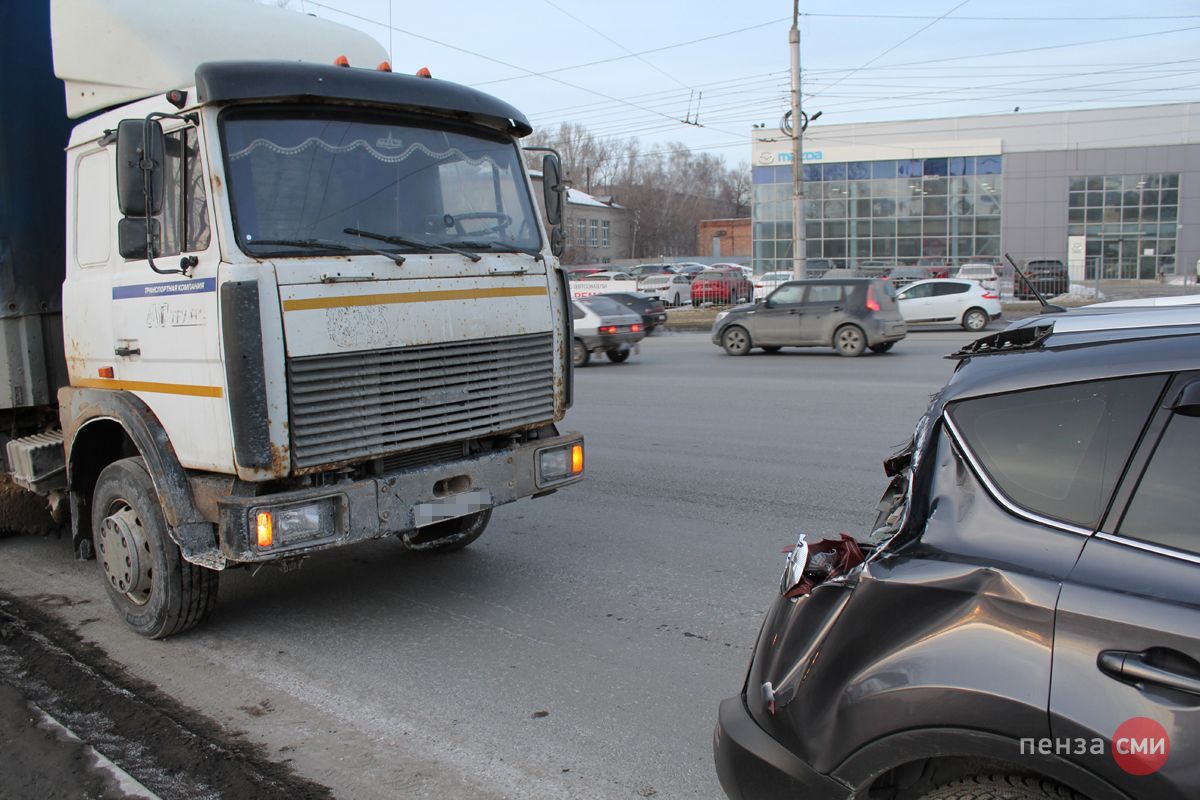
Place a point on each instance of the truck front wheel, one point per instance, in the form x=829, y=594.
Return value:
x=154, y=590
x=449, y=536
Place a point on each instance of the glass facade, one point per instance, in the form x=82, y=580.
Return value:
x=1130, y=221
x=864, y=213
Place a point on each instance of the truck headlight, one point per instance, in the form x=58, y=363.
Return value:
x=288, y=525
x=560, y=463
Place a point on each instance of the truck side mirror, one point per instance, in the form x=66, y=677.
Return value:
x=552, y=189
x=558, y=241
x=132, y=237
x=141, y=148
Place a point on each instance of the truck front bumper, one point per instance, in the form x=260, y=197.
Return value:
x=319, y=518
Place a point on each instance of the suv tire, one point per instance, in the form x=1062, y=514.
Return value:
x=849, y=340
x=1002, y=787
x=736, y=340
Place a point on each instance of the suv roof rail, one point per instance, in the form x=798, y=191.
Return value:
x=1010, y=341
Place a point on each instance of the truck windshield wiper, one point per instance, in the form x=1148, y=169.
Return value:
x=326, y=244
x=416, y=244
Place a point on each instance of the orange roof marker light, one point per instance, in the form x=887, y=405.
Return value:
x=384, y=66
x=424, y=72
x=341, y=61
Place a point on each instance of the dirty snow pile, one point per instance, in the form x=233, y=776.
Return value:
x=1080, y=292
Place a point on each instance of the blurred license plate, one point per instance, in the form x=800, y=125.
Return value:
x=451, y=508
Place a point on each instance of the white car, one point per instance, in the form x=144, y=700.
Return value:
x=984, y=273
x=769, y=281
x=949, y=300
x=667, y=288
x=603, y=283
x=602, y=325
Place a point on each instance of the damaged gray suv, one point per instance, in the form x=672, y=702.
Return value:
x=1024, y=620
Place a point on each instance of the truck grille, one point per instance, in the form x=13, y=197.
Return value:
x=366, y=404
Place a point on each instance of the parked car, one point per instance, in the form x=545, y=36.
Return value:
x=1049, y=276
x=984, y=273
x=747, y=271
x=816, y=267
x=643, y=270
x=652, y=312
x=579, y=273
x=840, y=273
x=672, y=289
x=689, y=268
x=1023, y=621
x=602, y=325
x=721, y=286
x=942, y=300
x=603, y=283
x=903, y=276
x=770, y=281
x=938, y=268
x=850, y=315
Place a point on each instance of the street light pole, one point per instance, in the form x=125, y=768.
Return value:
x=798, y=241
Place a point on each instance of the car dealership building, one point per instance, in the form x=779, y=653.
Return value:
x=1116, y=189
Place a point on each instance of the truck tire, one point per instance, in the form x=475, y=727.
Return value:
x=1002, y=787
x=449, y=536
x=153, y=589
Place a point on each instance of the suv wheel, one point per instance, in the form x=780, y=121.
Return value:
x=1002, y=787
x=976, y=319
x=736, y=340
x=849, y=340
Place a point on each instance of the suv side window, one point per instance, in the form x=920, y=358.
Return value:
x=825, y=293
x=1059, y=450
x=940, y=289
x=1163, y=508
x=787, y=295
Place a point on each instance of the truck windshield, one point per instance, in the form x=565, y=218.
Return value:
x=301, y=177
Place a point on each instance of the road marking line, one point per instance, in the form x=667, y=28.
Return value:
x=125, y=782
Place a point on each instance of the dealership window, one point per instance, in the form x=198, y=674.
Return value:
x=604, y=228
x=890, y=211
x=1130, y=221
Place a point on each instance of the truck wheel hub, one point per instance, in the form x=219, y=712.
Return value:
x=125, y=554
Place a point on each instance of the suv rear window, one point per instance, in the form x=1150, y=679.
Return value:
x=1059, y=450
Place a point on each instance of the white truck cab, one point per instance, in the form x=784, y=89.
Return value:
x=303, y=304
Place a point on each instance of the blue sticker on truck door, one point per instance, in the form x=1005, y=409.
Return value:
x=170, y=289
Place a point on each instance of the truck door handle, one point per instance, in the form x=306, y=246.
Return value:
x=127, y=350
x=1134, y=668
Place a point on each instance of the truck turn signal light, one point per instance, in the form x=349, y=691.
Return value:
x=576, y=459
x=266, y=534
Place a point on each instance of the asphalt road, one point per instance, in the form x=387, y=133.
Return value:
x=580, y=648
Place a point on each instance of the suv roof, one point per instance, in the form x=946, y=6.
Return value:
x=1068, y=356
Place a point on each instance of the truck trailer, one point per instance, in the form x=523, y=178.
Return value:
x=261, y=296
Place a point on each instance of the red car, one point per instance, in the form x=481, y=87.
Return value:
x=724, y=286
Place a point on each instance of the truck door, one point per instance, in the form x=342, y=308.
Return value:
x=165, y=335
x=1127, y=633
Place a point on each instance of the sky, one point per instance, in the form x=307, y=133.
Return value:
x=702, y=72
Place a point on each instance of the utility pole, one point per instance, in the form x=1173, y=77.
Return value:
x=798, y=241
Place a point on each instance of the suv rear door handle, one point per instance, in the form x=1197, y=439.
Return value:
x=836, y=308
x=795, y=311
x=1133, y=668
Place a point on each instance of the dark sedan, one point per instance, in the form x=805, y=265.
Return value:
x=653, y=312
